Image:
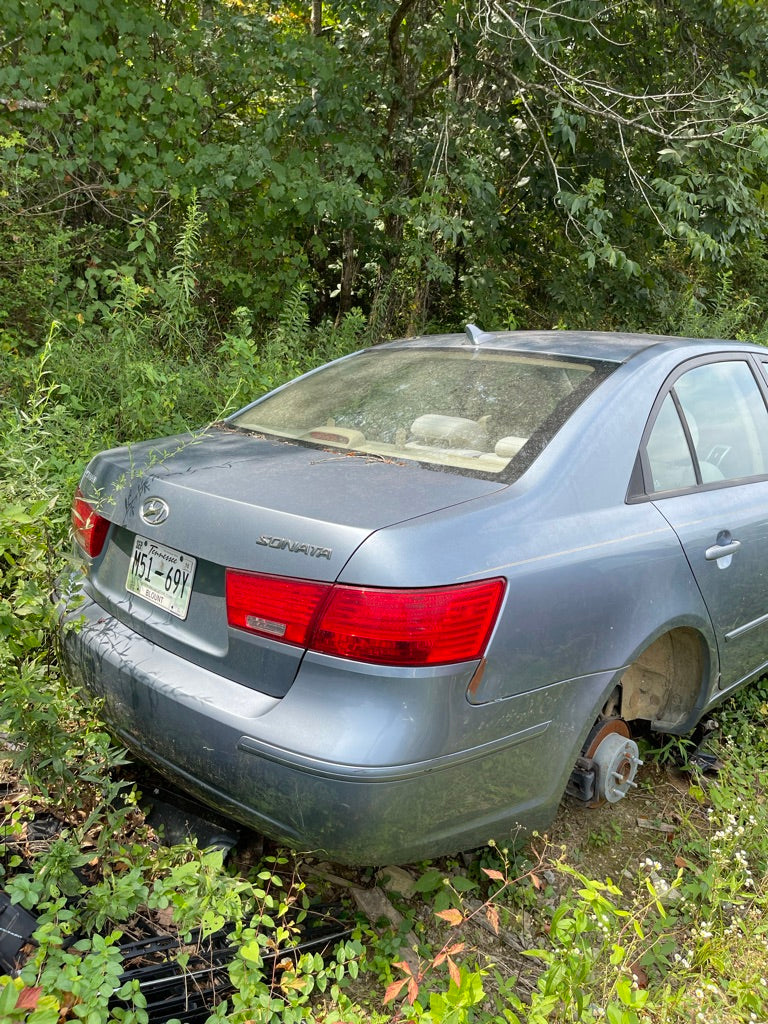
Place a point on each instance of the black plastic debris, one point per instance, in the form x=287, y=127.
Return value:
x=191, y=992
x=703, y=759
x=178, y=819
x=43, y=829
x=188, y=993
x=16, y=927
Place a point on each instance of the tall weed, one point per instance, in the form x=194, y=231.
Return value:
x=724, y=313
x=252, y=364
x=44, y=731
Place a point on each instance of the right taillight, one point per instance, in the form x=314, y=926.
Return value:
x=88, y=527
x=407, y=627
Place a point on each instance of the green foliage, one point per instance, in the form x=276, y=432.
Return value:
x=34, y=255
x=115, y=898
x=410, y=160
x=84, y=975
x=36, y=708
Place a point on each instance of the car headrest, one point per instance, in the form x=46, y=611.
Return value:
x=508, y=447
x=450, y=431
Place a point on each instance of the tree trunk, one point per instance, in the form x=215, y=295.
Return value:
x=316, y=19
x=349, y=267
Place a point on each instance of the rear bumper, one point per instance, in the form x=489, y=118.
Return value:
x=361, y=766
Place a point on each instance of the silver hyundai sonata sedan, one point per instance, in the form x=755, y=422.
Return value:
x=396, y=607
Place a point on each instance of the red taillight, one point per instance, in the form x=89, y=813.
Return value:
x=431, y=626
x=428, y=626
x=89, y=528
x=274, y=606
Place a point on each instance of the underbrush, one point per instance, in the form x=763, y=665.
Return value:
x=525, y=937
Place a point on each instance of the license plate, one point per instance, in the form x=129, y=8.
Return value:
x=161, y=575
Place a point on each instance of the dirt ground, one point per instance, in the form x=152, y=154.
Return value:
x=607, y=841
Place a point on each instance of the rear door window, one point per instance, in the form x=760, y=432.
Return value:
x=712, y=427
x=669, y=454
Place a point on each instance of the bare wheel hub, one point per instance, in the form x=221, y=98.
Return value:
x=616, y=759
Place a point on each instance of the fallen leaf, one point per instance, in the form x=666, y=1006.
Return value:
x=681, y=862
x=28, y=998
x=639, y=975
x=452, y=916
x=164, y=918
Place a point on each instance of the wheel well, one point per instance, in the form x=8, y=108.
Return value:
x=662, y=685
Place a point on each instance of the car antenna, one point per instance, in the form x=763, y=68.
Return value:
x=475, y=335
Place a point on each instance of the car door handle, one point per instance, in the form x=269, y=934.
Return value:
x=721, y=550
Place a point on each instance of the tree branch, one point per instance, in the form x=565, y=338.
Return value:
x=12, y=104
x=675, y=114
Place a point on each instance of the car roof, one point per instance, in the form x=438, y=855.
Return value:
x=605, y=345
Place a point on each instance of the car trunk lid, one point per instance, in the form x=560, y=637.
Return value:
x=233, y=500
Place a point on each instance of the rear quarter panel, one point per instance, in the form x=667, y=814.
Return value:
x=592, y=580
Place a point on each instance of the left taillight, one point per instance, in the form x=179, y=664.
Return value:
x=88, y=527
x=279, y=607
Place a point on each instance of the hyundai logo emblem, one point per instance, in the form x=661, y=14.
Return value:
x=154, y=511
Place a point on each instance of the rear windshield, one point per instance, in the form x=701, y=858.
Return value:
x=465, y=409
